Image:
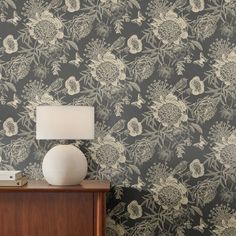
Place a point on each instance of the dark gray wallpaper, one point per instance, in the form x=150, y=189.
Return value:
x=162, y=77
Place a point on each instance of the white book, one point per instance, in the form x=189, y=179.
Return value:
x=14, y=183
x=10, y=174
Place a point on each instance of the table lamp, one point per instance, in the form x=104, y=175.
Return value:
x=64, y=164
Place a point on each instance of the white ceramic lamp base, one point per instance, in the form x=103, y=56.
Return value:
x=64, y=165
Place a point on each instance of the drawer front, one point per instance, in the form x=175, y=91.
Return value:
x=46, y=214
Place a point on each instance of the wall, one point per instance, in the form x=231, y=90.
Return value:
x=161, y=75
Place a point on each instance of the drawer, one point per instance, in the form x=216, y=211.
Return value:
x=46, y=214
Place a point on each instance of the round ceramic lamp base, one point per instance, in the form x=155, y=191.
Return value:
x=64, y=165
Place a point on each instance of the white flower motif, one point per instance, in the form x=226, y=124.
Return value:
x=170, y=28
x=226, y=68
x=142, y=68
x=227, y=228
x=205, y=109
x=170, y=194
x=226, y=151
x=72, y=85
x=170, y=111
x=18, y=67
x=79, y=27
x=197, y=5
x=142, y=151
x=18, y=150
x=108, y=153
x=134, y=127
x=10, y=44
x=108, y=70
x=196, y=85
x=45, y=28
x=196, y=168
x=135, y=210
x=72, y=5
x=10, y=127
x=134, y=44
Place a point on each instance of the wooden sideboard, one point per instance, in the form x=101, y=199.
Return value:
x=39, y=209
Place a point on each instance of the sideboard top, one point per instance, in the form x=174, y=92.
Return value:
x=43, y=186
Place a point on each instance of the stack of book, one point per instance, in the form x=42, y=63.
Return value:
x=12, y=178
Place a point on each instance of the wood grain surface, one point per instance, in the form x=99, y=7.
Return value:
x=39, y=209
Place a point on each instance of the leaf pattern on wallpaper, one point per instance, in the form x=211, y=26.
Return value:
x=162, y=76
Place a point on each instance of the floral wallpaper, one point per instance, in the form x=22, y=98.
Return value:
x=162, y=77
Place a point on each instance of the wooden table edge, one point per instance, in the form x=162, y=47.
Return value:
x=43, y=186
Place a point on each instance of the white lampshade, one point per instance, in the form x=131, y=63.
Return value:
x=64, y=122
